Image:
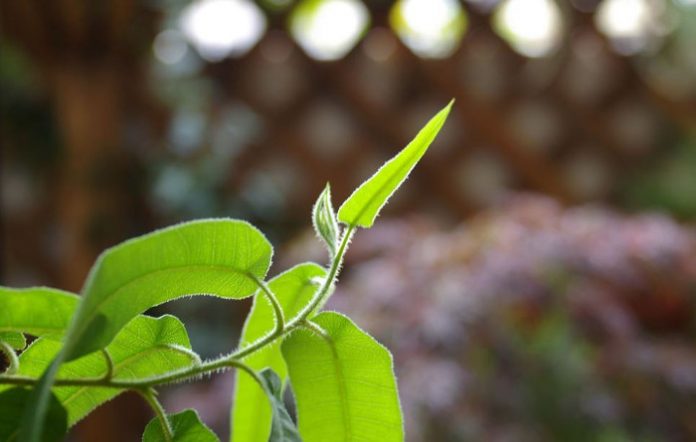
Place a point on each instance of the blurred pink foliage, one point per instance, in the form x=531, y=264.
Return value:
x=532, y=322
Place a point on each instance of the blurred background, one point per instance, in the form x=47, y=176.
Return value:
x=535, y=278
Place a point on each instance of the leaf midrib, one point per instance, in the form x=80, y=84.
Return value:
x=380, y=189
x=342, y=388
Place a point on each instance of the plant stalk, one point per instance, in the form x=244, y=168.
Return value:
x=150, y=396
x=13, y=361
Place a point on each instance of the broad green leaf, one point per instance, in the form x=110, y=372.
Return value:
x=145, y=347
x=219, y=257
x=324, y=220
x=15, y=340
x=343, y=382
x=283, y=429
x=210, y=257
x=13, y=401
x=251, y=414
x=39, y=311
x=187, y=427
x=363, y=206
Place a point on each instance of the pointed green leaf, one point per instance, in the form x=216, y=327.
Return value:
x=324, y=220
x=343, y=382
x=40, y=311
x=363, y=206
x=15, y=340
x=187, y=427
x=282, y=428
x=251, y=414
x=13, y=401
x=145, y=347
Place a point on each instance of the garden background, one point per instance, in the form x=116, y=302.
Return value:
x=536, y=276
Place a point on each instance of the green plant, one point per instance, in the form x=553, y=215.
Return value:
x=91, y=348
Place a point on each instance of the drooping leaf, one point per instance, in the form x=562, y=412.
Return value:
x=145, y=347
x=324, y=220
x=40, y=311
x=251, y=414
x=215, y=257
x=15, y=340
x=363, y=206
x=187, y=427
x=343, y=382
x=283, y=429
x=13, y=401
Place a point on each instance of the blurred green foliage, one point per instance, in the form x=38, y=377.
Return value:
x=669, y=186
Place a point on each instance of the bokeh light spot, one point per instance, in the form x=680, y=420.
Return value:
x=532, y=27
x=169, y=46
x=328, y=29
x=220, y=28
x=632, y=25
x=430, y=28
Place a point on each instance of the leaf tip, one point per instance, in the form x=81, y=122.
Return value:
x=446, y=110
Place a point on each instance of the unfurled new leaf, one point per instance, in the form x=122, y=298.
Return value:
x=324, y=221
x=187, y=427
x=283, y=429
x=251, y=414
x=343, y=382
x=363, y=206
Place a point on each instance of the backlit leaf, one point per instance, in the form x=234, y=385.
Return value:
x=145, y=347
x=343, y=382
x=363, y=206
x=187, y=427
x=251, y=414
x=39, y=311
x=209, y=257
x=219, y=257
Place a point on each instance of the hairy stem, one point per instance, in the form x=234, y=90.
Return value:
x=150, y=396
x=316, y=301
x=277, y=309
x=251, y=372
x=326, y=288
x=314, y=328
